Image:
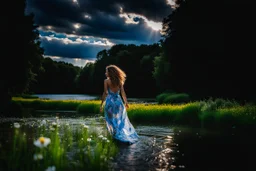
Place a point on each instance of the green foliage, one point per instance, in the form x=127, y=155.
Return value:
x=160, y=98
x=165, y=98
x=89, y=107
x=57, y=77
x=85, y=107
x=189, y=115
x=218, y=113
x=136, y=61
x=213, y=105
x=177, y=98
x=84, y=80
x=161, y=72
x=83, y=147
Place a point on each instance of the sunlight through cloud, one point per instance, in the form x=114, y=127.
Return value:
x=132, y=18
x=129, y=18
x=87, y=16
x=75, y=2
x=77, y=26
x=49, y=27
x=172, y=3
x=154, y=25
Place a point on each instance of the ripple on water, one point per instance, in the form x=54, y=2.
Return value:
x=155, y=150
x=165, y=148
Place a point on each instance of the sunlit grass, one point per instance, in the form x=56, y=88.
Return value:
x=81, y=106
x=48, y=144
x=211, y=113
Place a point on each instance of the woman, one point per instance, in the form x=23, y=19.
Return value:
x=117, y=121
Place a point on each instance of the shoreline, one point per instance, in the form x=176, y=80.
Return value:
x=194, y=114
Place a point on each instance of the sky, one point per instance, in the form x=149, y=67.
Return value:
x=75, y=31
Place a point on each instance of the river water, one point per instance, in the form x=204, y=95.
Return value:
x=89, y=97
x=167, y=147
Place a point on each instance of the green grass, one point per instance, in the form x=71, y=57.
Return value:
x=211, y=113
x=70, y=148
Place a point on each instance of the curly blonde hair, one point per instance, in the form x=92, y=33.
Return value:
x=116, y=75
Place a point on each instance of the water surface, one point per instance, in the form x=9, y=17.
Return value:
x=66, y=96
x=89, y=97
x=167, y=147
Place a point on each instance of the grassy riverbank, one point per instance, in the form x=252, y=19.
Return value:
x=54, y=145
x=207, y=114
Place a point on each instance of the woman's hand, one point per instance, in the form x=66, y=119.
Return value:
x=127, y=105
x=101, y=109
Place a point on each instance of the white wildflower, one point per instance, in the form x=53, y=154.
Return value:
x=43, y=122
x=54, y=124
x=16, y=125
x=42, y=142
x=51, y=168
x=100, y=136
x=86, y=126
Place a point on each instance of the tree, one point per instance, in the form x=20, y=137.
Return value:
x=84, y=80
x=209, y=48
x=136, y=61
x=20, y=33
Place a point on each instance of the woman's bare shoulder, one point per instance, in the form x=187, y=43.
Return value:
x=107, y=81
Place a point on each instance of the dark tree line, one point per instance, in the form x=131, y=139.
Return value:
x=136, y=61
x=21, y=52
x=208, y=49
x=56, y=77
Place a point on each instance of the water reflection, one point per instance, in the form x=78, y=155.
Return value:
x=179, y=148
x=154, y=151
x=164, y=147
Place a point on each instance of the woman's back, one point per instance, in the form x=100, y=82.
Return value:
x=112, y=88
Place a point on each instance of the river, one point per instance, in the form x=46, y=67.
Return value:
x=89, y=97
x=167, y=147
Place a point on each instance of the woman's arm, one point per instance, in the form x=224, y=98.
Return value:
x=104, y=95
x=124, y=96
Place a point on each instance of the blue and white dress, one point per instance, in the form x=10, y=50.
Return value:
x=117, y=121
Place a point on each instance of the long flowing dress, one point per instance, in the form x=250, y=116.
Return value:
x=117, y=121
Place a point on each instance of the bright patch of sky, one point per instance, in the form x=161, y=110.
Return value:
x=132, y=18
x=75, y=61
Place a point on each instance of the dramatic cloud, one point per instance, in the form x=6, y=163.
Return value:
x=72, y=46
x=82, y=28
